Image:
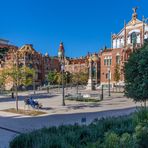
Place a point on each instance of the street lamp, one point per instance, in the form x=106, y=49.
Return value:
x=61, y=59
x=109, y=81
x=17, y=79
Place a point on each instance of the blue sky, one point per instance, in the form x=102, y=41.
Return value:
x=83, y=25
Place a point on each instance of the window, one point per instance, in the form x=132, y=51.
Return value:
x=108, y=60
x=105, y=61
x=134, y=38
x=117, y=59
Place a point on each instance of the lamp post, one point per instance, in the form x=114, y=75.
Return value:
x=61, y=59
x=109, y=81
x=17, y=79
x=34, y=83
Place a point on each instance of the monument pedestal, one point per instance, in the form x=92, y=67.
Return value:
x=90, y=85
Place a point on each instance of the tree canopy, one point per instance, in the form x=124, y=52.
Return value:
x=80, y=78
x=117, y=73
x=51, y=76
x=21, y=75
x=136, y=75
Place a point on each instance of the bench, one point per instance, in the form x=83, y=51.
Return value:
x=32, y=103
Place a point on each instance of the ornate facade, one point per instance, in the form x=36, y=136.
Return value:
x=76, y=65
x=50, y=64
x=131, y=37
x=27, y=56
x=6, y=58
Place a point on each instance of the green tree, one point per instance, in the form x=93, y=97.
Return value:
x=51, y=77
x=136, y=75
x=83, y=78
x=79, y=79
x=3, y=77
x=20, y=76
x=58, y=78
x=68, y=77
x=117, y=74
x=27, y=76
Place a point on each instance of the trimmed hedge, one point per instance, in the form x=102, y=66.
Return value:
x=126, y=132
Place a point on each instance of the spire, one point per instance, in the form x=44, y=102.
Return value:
x=134, y=15
x=61, y=48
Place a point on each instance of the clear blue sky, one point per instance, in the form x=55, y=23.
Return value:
x=83, y=25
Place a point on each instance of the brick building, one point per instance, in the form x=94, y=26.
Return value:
x=26, y=56
x=50, y=64
x=6, y=58
x=76, y=65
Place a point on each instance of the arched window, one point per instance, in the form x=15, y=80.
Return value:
x=134, y=38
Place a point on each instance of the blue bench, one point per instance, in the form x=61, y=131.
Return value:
x=32, y=103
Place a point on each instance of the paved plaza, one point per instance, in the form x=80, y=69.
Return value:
x=56, y=114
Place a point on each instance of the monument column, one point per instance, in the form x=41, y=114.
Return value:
x=96, y=59
x=90, y=82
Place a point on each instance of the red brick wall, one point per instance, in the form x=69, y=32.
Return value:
x=104, y=68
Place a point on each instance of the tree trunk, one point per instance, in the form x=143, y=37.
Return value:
x=77, y=88
x=16, y=93
x=145, y=104
x=116, y=87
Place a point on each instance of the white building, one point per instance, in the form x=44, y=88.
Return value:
x=133, y=33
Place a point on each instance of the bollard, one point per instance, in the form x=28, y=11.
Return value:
x=12, y=95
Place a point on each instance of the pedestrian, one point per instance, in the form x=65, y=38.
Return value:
x=12, y=95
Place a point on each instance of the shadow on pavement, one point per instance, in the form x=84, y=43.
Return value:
x=21, y=98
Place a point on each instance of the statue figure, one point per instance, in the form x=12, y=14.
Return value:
x=135, y=9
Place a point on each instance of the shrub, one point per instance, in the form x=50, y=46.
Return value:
x=126, y=141
x=111, y=140
x=104, y=133
x=141, y=136
x=142, y=115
